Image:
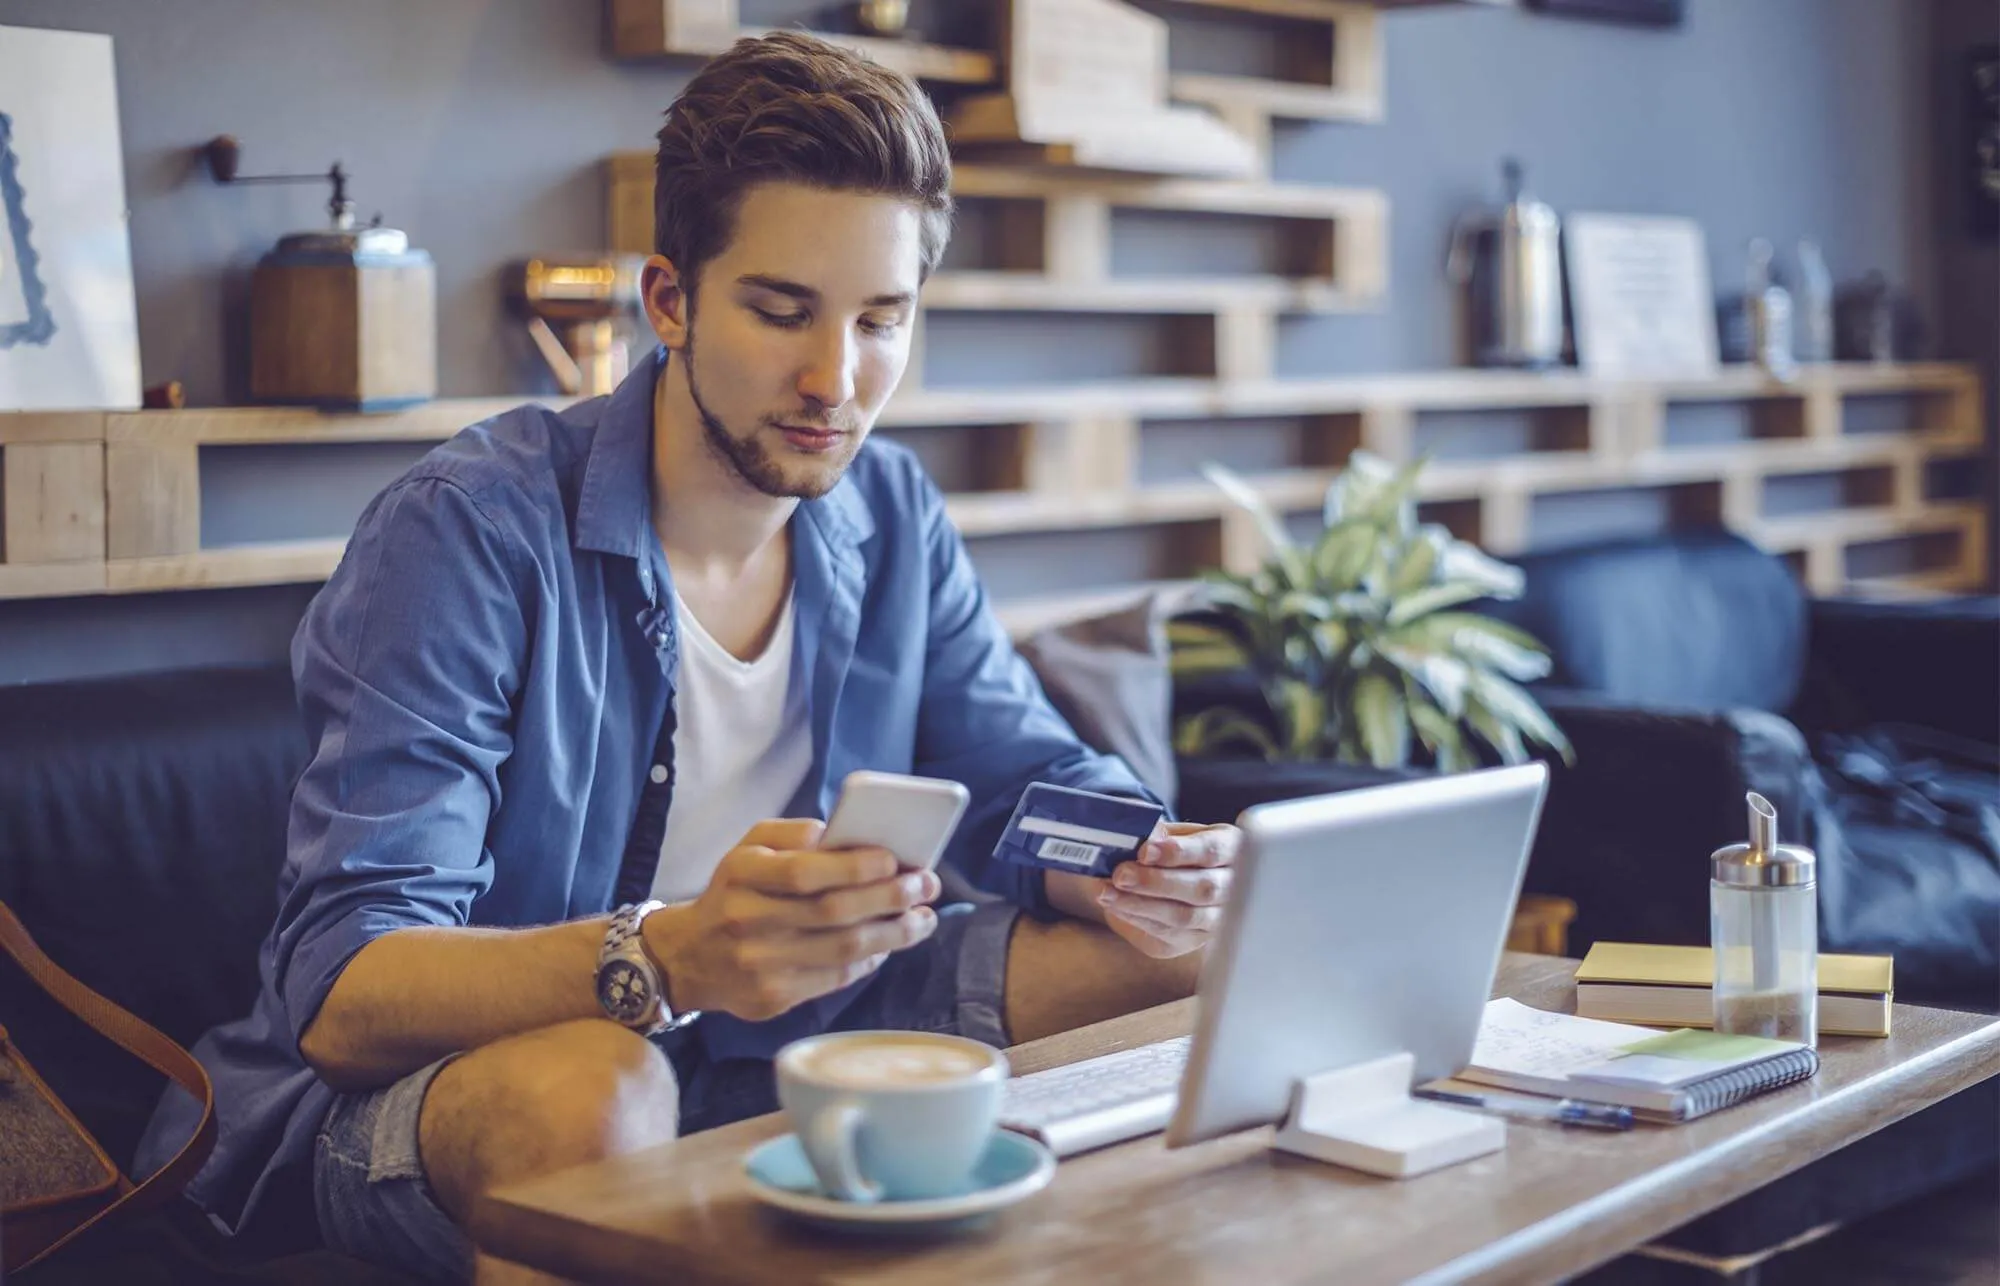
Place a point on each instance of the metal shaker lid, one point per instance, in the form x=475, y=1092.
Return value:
x=1764, y=862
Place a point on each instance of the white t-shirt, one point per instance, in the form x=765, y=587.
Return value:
x=742, y=748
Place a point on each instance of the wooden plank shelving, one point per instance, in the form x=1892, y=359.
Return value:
x=647, y=29
x=1066, y=460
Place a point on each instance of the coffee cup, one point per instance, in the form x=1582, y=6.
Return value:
x=892, y=1115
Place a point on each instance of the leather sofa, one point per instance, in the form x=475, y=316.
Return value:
x=142, y=823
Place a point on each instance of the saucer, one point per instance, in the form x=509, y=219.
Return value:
x=1012, y=1167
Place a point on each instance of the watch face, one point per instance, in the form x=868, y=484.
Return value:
x=624, y=991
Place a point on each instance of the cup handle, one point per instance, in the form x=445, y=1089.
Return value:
x=831, y=1137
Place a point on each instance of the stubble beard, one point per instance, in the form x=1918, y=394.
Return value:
x=748, y=457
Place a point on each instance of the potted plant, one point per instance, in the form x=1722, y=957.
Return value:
x=1357, y=646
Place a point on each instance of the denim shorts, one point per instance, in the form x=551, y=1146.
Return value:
x=373, y=1199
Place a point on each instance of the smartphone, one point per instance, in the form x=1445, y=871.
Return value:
x=912, y=817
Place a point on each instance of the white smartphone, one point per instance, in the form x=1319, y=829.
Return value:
x=912, y=817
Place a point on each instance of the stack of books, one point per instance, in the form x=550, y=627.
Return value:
x=1670, y=987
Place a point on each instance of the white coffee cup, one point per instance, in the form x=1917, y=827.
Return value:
x=892, y=1115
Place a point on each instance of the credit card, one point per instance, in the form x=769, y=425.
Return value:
x=1060, y=828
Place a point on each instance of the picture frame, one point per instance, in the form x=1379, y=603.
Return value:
x=24, y=300
x=69, y=323
x=1641, y=301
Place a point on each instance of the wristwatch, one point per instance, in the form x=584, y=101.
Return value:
x=629, y=985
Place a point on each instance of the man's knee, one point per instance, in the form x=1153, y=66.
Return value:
x=542, y=1101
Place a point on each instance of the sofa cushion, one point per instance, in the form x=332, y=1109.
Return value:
x=142, y=825
x=1699, y=620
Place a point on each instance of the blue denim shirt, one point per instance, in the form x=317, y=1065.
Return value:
x=487, y=683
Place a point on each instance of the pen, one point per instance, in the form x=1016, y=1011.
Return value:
x=1563, y=1111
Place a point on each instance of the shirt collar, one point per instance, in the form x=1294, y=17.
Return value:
x=614, y=512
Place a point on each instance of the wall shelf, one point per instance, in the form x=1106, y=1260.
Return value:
x=649, y=29
x=128, y=487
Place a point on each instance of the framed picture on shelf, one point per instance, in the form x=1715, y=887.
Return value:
x=1644, y=13
x=69, y=327
x=1640, y=296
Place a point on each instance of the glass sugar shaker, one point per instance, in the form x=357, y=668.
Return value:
x=1764, y=927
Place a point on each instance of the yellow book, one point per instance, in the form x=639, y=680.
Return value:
x=1669, y=987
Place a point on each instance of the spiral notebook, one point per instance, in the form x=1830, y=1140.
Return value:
x=1672, y=1077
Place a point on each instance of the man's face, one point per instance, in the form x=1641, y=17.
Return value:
x=799, y=332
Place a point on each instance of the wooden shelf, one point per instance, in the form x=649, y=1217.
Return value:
x=1281, y=99
x=1066, y=459
x=1031, y=291
x=276, y=563
x=51, y=580
x=649, y=29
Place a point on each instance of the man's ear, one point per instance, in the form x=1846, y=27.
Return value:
x=668, y=304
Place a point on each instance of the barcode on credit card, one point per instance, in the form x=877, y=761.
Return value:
x=1062, y=850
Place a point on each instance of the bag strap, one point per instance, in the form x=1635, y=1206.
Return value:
x=142, y=1041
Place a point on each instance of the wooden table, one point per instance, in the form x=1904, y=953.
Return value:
x=1552, y=1204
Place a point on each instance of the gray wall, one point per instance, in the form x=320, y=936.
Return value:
x=478, y=126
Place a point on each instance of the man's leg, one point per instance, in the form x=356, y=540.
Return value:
x=399, y=1172
x=1070, y=974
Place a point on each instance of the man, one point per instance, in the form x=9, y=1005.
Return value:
x=577, y=662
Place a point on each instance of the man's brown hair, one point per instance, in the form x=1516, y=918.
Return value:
x=789, y=107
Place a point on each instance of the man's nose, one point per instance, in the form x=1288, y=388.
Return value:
x=828, y=377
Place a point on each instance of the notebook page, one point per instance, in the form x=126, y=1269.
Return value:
x=1521, y=1041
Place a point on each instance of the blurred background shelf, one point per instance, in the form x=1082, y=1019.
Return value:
x=141, y=502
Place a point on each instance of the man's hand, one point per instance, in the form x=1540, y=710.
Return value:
x=1169, y=901
x=783, y=922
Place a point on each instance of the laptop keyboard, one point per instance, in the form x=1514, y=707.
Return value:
x=1099, y=1101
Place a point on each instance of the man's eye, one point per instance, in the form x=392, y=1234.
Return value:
x=874, y=327
x=788, y=321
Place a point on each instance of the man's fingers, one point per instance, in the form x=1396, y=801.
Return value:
x=1196, y=886
x=784, y=833
x=796, y=873
x=1184, y=844
x=836, y=948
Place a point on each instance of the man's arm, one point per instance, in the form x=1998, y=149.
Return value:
x=407, y=664
x=985, y=721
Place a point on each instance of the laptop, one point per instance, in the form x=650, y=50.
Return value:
x=1361, y=924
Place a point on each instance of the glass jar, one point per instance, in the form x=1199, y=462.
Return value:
x=1764, y=928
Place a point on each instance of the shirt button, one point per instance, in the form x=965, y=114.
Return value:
x=659, y=774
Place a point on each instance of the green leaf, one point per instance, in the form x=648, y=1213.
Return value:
x=1432, y=598
x=1379, y=717
x=1301, y=603
x=1301, y=715
x=1463, y=562
x=1444, y=676
x=1193, y=661
x=1393, y=506
x=1501, y=735
x=1493, y=652
x=1343, y=553
x=1331, y=639
x=1235, y=597
x=1442, y=629
x=1440, y=733
x=1245, y=497
x=1521, y=711
x=1419, y=560
x=1220, y=727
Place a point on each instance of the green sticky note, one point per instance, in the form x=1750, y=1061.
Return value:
x=1706, y=1046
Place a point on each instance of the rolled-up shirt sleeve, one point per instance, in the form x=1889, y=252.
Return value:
x=985, y=721
x=406, y=666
